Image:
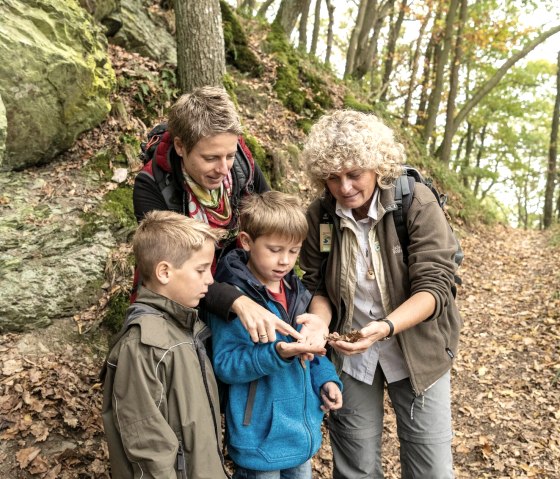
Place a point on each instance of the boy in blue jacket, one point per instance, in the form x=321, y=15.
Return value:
x=276, y=400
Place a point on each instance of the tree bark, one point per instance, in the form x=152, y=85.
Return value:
x=247, y=7
x=427, y=75
x=261, y=12
x=444, y=151
x=303, y=25
x=330, y=34
x=200, y=44
x=353, y=43
x=479, y=159
x=394, y=33
x=551, y=172
x=367, y=55
x=316, y=28
x=414, y=69
x=440, y=61
x=288, y=14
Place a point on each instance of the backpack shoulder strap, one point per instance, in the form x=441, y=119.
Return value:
x=404, y=191
x=242, y=171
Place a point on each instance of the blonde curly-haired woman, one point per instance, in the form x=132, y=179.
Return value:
x=405, y=311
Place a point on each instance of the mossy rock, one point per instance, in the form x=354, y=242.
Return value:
x=261, y=157
x=237, y=48
x=116, y=311
x=352, y=103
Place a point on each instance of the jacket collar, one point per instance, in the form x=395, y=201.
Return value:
x=183, y=315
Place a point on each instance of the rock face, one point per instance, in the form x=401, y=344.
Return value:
x=51, y=265
x=55, y=77
x=144, y=33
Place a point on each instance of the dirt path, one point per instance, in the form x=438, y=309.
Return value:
x=505, y=381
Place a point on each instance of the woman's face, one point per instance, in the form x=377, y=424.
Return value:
x=353, y=188
x=210, y=160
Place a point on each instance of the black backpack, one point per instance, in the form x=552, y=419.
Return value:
x=242, y=171
x=404, y=192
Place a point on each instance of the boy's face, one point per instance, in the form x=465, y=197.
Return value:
x=209, y=162
x=271, y=257
x=188, y=283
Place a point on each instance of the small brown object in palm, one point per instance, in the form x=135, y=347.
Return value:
x=351, y=337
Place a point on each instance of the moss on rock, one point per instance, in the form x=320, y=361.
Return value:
x=260, y=155
x=237, y=48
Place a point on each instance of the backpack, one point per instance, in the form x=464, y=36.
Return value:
x=242, y=170
x=404, y=192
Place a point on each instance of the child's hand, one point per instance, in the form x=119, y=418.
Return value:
x=289, y=350
x=331, y=397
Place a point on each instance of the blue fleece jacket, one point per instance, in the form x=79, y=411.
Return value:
x=285, y=422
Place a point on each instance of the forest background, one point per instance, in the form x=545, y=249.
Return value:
x=461, y=83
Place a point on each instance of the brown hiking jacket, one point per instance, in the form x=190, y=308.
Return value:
x=429, y=347
x=160, y=404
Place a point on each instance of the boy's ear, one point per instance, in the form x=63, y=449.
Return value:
x=245, y=241
x=163, y=272
x=178, y=144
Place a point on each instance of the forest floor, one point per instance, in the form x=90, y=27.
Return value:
x=506, y=379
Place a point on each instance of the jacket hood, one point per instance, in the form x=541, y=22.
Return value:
x=150, y=302
x=233, y=269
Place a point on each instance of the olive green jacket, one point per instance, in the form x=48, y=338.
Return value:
x=160, y=404
x=429, y=347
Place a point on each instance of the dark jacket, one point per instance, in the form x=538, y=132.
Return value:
x=284, y=425
x=160, y=400
x=430, y=346
x=147, y=197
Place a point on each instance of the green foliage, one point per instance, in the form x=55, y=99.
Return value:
x=237, y=49
x=153, y=92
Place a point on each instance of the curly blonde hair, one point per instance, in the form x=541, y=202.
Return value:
x=346, y=139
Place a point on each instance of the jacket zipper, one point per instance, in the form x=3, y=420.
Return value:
x=201, y=357
x=181, y=465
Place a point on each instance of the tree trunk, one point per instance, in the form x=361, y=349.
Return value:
x=551, y=172
x=394, y=33
x=471, y=135
x=200, y=44
x=261, y=12
x=500, y=73
x=353, y=43
x=427, y=75
x=366, y=56
x=414, y=69
x=330, y=34
x=288, y=14
x=247, y=7
x=316, y=28
x=444, y=151
x=303, y=25
x=479, y=159
x=440, y=61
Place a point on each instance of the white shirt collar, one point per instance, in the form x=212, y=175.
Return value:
x=347, y=212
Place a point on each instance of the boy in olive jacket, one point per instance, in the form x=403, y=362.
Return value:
x=160, y=406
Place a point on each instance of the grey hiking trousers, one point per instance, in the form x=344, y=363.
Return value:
x=423, y=427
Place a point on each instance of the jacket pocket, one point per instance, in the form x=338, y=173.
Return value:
x=289, y=436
